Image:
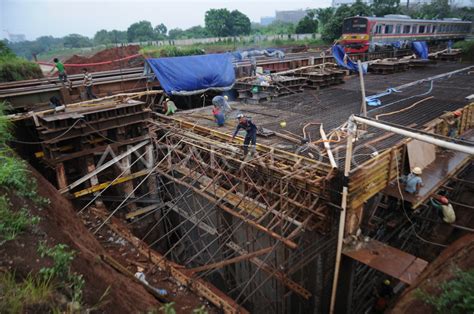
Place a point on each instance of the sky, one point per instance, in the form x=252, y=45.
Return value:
x=58, y=18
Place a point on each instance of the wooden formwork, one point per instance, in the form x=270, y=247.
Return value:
x=375, y=175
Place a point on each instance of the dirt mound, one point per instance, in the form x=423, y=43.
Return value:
x=60, y=224
x=106, y=55
x=460, y=255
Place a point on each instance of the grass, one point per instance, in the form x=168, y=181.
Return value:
x=32, y=292
x=457, y=294
x=13, y=223
x=228, y=45
x=467, y=49
x=64, y=53
x=13, y=68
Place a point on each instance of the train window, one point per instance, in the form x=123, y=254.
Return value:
x=434, y=28
x=355, y=26
x=388, y=29
x=378, y=29
x=421, y=29
x=406, y=29
x=428, y=29
x=414, y=29
x=398, y=29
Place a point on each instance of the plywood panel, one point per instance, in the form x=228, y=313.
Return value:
x=420, y=154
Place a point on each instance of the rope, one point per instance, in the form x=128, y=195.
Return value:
x=404, y=109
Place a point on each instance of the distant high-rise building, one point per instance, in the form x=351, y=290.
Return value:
x=338, y=3
x=453, y=3
x=290, y=16
x=266, y=20
x=16, y=38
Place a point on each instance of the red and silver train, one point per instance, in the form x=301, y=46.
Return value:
x=362, y=34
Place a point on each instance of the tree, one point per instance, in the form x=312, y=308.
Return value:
x=384, y=7
x=308, y=24
x=117, y=36
x=217, y=22
x=324, y=15
x=102, y=37
x=333, y=29
x=175, y=33
x=239, y=23
x=140, y=31
x=76, y=41
x=160, y=31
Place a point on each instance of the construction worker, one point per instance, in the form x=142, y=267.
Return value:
x=454, y=123
x=253, y=66
x=221, y=102
x=218, y=115
x=140, y=275
x=169, y=108
x=88, y=84
x=62, y=75
x=383, y=294
x=413, y=181
x=445, y=209
x=251, y=135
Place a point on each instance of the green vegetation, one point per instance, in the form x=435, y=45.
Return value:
x=61, y=269
x=223, y=23
x=171, y=51
x=308, y=25
x=467, y=49
x=13, y=223
x=34, y=292
x=13, y=68
x=457, y=294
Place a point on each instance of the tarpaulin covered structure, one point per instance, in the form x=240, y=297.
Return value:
x=194, y=74
x=420, y=48
x=343, y=60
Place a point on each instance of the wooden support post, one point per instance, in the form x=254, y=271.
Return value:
x=362, y=89
x=128, y=185
x=94, y=180
x=353, y=219
x=61, y=176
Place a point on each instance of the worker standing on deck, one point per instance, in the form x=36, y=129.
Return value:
x=441, y=203
x=413, y=181
x=454, y=123
x=251, y=135
x=61, y=72
x=221, y=103
x=253, y=66
x=169, y=108
x=218, y=115
x=88, y=84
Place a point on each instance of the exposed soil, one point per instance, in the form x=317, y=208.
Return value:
x=106, y=55
x=60, y=224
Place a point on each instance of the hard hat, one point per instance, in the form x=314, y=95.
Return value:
x=140, y=269
x=167, y=99
x=283, y=124
x=240, y=116
x=444, y=200
x=457, y=113
x=386, y=282
x=226, y=97
x=416, y=170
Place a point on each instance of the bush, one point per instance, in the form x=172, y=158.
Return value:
x=12, y=223
x=457, y=294
x=467, y=49
x=172, y=51
x=13, y=68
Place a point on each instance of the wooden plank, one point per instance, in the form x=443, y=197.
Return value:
x=389, y=260
x=141, y=211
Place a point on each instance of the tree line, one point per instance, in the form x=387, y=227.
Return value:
x=223, y=23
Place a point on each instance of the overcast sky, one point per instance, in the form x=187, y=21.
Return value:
x=35, y=18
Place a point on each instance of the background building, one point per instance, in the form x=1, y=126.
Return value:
x=293, y=16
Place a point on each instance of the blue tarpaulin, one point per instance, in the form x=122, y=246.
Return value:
x=420, y=48
x=194, y=74
x=338, y=53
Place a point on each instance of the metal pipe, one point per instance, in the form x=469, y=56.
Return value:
x=342, y=219
x=327, y=146
x=421, y=137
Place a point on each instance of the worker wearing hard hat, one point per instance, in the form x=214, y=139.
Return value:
x=453, y=120
x=441, y=203
x=251, y=135
x=221, y=103
x=169, y=108
x=413, y=181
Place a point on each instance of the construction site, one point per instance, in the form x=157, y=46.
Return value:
x=312, y=221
